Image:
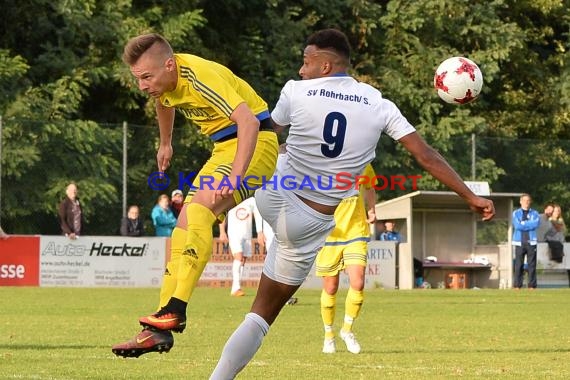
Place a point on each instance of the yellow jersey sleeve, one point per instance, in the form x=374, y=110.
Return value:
x=207, y=93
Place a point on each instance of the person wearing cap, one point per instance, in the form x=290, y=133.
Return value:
x=176, y=202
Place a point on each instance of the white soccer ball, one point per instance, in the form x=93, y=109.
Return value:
x=458, y=80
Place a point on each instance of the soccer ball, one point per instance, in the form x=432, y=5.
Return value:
x=458, y=80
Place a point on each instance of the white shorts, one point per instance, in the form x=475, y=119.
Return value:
x=240, y=243
x=299, y=233
x=269, y=235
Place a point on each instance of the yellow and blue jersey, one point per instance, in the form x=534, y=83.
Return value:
x=207, y=93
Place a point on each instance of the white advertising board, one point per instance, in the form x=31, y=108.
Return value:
x=380, y=269
x=216, y=271
x=101, y=261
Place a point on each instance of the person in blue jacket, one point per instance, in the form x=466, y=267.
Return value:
x=389, y=234
x=525, y=223
x=162, y=217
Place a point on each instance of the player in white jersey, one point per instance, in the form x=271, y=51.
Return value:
x=334, y=125
x=240, y=232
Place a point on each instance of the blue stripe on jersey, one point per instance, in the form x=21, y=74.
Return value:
x=207, y=92
x=331, y=243
x=231, y=129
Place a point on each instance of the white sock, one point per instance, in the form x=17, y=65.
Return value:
x=236, y=275
x=240, y=347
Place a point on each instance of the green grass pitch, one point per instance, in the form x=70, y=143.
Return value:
x=64, y=333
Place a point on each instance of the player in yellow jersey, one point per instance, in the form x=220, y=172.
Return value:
x=229, y=111
x=346, y=249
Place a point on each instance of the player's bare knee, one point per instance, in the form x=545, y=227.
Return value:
x=357, y=283
x=331, y=288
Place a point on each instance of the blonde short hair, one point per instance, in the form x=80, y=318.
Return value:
x=139, y=45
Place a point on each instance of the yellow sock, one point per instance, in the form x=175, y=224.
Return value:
x=328, y=309
x=197, y=250
x=170, y=277
x=353, y=304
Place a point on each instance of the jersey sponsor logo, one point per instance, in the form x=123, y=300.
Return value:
x=197, y=114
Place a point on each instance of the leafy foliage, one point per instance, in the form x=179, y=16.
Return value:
x=64, y=92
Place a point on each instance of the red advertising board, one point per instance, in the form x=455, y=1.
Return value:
x=19, y=261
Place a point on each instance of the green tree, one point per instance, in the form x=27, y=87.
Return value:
x=64, y=92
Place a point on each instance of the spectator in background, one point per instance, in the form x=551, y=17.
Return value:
x=3, y=235
x=525, y=223
x=132, y=224
x=379, y=228
x=162, y=216
x=557, y=226
x=239, y=235
x=70, y=214
x=177, y=201
x=544, y=225
x=555, y=235
x=389, y=233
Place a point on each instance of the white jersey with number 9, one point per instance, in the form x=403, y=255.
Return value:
x=334, y=126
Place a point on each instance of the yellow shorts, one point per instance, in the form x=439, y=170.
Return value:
x=334, y=258
x=219, y=165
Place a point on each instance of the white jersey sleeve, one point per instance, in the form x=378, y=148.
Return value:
x=281, y=115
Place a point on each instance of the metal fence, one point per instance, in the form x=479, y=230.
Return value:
x=113, y=165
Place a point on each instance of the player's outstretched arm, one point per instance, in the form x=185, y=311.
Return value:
x=437, y=166
x=223, y=234
x=247, y=131
x=165, y=116
x=370, y=203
